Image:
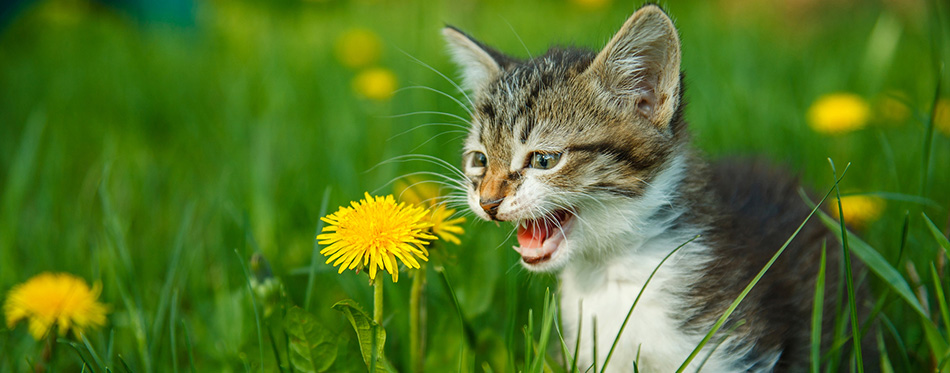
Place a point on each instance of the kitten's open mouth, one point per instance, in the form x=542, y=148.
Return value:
x=540, y=238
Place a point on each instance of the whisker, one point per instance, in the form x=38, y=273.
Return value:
x=454, y=139
x=435, y=137
x=454, y=84
x=422, y=157
x=467, y=110
x=427, y=173
x=430, y=125
x=427, y=112
x=518, y=37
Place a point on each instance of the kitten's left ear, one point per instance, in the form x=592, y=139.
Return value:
x=640, y=66
x=480, y=64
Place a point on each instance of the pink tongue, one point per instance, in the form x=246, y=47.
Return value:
x=534, y=235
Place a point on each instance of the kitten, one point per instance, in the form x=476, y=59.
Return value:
x=588, y=155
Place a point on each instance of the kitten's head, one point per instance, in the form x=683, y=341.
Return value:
x=568, y=144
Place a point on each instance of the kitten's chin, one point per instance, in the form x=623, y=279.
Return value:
x=542, y=241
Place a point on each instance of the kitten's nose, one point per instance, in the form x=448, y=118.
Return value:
x=490, y=206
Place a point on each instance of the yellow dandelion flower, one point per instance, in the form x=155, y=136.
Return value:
x=838, y=113
x=858, y=210
x=942, y=116
x=55, y=298
x=426, y=194
x=376, y=83
x=358, y=48
x=374, y=232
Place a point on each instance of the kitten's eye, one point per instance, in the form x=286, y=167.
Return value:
x=543, y=161
x=479, y=159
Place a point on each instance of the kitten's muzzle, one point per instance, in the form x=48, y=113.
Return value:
x=490, y=206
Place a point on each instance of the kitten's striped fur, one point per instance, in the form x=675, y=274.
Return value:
x=589, y=154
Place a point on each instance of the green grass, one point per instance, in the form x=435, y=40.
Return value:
x=142, y=155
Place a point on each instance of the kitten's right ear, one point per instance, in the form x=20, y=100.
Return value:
x=480, y=64
x=640, y=66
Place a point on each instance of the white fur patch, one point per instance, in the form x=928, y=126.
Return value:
x=609, y=270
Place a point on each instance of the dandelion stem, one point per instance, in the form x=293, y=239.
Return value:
x=378, y=300
x=48, y=350
x=417, y=319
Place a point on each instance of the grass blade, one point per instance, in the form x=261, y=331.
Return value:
x=880, y=266
x=124, y=364
x=816, y=313
x=191, y=352
x=315, y=256
x=580, y=330
x=528, y=331
x=257, y=316
x=92, y=352
x=14, y=188
x=547, y=319
x=941, y=299
x=725, y=336
x=904, y=227
x=748, y=288
x=899, y=197
x=886, y=366
x=637, y=299
x=594, y=332
x=938, y=235
x=929, y=134
x=109, y=347
x=171, y=276
x=567, y=362
x=466, y=328
x=849, y=280
x=171, y=332
x=78, y=351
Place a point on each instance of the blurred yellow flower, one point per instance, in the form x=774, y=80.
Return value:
x=942, y=116
x=426, y=194
x=376, y=83
x=358, y=48
x=858, y=210
x=892, y=108
x=59, y=299
x=591, y=4
x=444, y=226
x=838, y=113
x=416, y=191
x=375, y=231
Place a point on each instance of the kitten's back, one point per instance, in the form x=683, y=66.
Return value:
x=759, y=208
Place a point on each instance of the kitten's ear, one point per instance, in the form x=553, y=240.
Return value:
x=479, y=63
x=640, y=66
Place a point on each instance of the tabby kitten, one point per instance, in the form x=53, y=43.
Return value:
x=588, y=155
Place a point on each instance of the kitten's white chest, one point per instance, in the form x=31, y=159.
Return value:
x=606, y=293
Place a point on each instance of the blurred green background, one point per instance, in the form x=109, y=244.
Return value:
x=143, y=146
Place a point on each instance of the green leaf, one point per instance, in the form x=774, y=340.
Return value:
x=886, y=366
x=938, y=345
x=371, y=336
x=877, y=264
x=313, y=348
x=938, y=235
